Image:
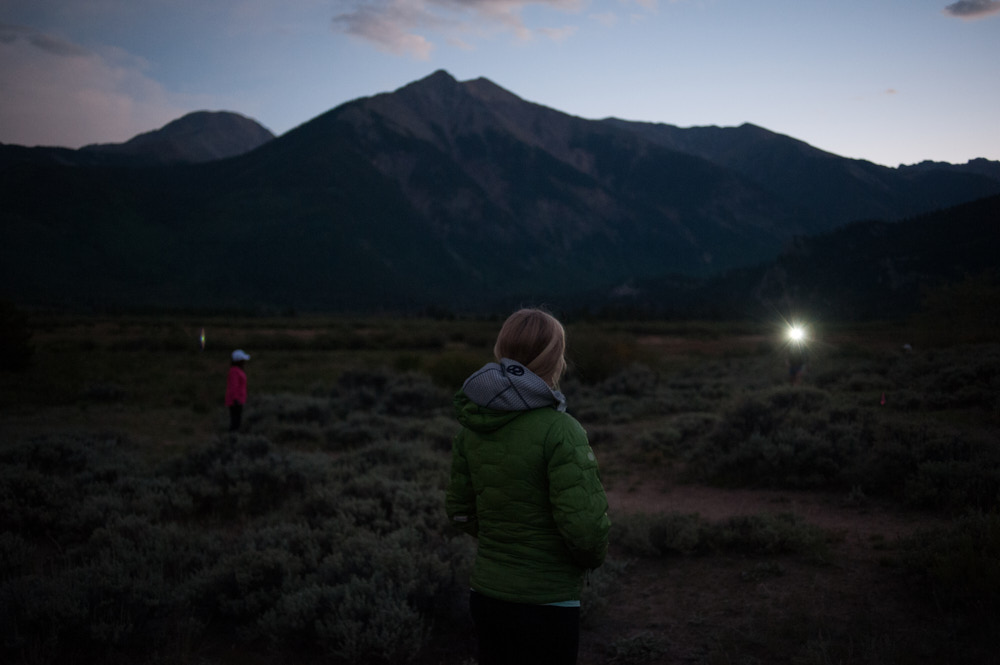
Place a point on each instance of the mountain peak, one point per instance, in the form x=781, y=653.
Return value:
x=438, y=84
x=423, y=108
x=196, y=121
x=440, y=76
x=486, y=90
x=200, y=136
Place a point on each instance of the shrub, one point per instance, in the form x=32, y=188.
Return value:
x=635, y=380
x=371, y=622
x=364, y=621
x=770, y=534
x=595, y=355
x=287, y=408
x=955, y=484
x=242, y=475
x=674, y=534
x=659, y=443
x=613, y=410
x=783, y=437
x=246, y=583
x=958, y=568
x=347, y=558
x=962, y=378
x=449, y=370
x=691, y=425
x=117, y=592
x=413, y=395
x=801, y=439
x=368, y=597
x=356, y=429
x=358, y=389
x=600, y=585
x=439, y=431
x=380, y=391
x=63, y=487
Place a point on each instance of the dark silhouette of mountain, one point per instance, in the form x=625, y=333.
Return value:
x=862, y=271
x=870, y=270
x=980, y=166
x=201, y=136
x=440, y=194
x=833, y=190
x=495, y=176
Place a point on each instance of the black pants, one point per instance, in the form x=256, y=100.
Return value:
x=519, y=634
x=235, y=416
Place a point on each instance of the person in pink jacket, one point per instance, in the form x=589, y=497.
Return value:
x=236, y=389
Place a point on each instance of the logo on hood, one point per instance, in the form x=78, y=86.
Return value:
x=515, y=370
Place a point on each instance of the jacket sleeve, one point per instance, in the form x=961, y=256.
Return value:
x=236, y=387
x=460, y=498
x=579, y=504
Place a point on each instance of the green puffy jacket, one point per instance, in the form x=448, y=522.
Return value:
x=526, y=484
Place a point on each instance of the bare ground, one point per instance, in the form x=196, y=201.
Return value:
x=853, y=608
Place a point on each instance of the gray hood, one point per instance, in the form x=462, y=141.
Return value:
x=510, y=386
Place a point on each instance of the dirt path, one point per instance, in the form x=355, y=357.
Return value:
x=739, y=609
x=858, y=519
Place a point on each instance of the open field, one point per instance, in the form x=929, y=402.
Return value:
x=852, y=518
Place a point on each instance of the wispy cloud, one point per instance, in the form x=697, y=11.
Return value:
x=407, y=27
x=52, y=45
x=973, y=9
x=391, y=28
x=60, y=93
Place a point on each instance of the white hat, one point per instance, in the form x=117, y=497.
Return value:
x=239, y=354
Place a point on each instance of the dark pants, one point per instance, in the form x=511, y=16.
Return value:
x=519, y=634
x=235, y=416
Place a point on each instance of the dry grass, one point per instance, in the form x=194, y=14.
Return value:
x=148, y=380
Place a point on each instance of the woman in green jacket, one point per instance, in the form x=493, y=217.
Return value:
x=524, y=482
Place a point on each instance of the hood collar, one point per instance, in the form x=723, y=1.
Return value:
x=510, y=386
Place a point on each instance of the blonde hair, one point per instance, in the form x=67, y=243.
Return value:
x=537, y=340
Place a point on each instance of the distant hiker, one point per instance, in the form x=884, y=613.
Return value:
x=796, y=366
x=796, y=362
x=236, y=389
x=797, y=336
x=524, y=481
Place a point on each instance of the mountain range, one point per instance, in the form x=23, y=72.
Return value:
x=442, y=194
x=202, y=136
x=866, y=270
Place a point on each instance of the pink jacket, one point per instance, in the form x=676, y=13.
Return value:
x=236, y=386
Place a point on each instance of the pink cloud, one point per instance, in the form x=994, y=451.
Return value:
x=400, y=26
x=60, y=94
x=391, y=30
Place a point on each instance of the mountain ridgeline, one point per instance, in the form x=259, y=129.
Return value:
x=202, y=136
x=442, y=194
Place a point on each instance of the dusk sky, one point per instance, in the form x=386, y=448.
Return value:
x=890, y=81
